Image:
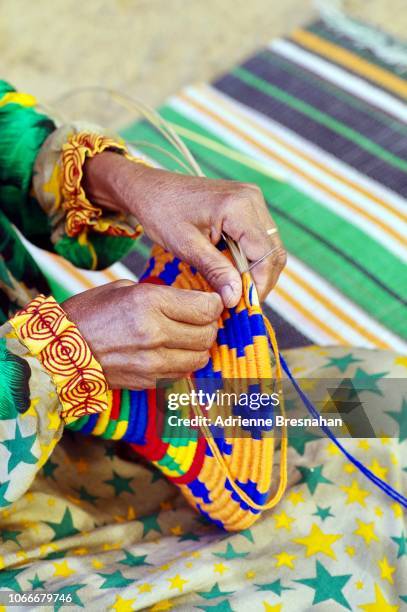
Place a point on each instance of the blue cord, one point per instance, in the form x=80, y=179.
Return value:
x=393, y=493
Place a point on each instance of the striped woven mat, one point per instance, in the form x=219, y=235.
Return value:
x=320, y=125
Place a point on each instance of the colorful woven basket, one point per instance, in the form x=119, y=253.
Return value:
x=227, y=478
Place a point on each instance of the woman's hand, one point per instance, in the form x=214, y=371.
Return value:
x=186, y=216
x=141, y=333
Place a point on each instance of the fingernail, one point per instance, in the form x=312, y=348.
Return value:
x=230, y=295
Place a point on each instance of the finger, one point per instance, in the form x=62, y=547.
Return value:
x=193, y=337
x=123, y=282
x=267, y=272
x=193, y=307
x=250, y=228
x=220, y=273
x=179, y=360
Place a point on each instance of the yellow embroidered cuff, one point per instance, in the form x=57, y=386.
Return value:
x=57, y=179
x=43, y=327
x=80, y=213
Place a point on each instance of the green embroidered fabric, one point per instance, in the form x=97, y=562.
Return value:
x=23, y=130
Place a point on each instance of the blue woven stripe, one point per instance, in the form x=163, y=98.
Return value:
x=171, y=271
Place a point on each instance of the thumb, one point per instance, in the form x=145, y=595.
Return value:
x=217, y=269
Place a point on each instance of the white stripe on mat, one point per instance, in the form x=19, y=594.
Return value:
x=339, y=314
x=75, y=280
x=343, y=79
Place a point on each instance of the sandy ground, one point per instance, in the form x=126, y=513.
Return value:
x=148, y=48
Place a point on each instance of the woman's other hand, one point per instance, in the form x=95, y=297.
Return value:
x=140, y=333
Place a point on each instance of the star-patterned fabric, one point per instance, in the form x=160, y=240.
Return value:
x=116, y=535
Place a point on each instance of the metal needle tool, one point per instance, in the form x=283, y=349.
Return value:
x=263, y=258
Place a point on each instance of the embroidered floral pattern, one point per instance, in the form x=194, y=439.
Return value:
x=44, y=329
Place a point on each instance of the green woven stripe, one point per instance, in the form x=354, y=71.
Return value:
x=320, y=117
x=125, y=406
x=298, y=72
x=348, y=279
x=169, y=463
x=110, y=429
x=323, y=31
x=78, y=424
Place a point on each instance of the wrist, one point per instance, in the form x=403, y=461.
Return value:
x=109, y=179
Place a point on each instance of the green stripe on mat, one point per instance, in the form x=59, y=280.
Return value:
x=320, y=117
x=298, y=72
x=59, y=292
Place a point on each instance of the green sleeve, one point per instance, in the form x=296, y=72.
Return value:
x=22, y=132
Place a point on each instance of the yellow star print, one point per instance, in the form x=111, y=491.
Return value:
x=332, y=449
x=364, y=444
x=46, y=548
x=113, y=546
x=355, y=494
x=284, y=559
x=283, y=521
x=219, y=568
x=359, y=585
x=350, y=551
x=393, y=459
x=296, y=498
x=380, y=604
x=54, y=420
x=80, y=551
x=397, y=509
x=366, y=531
x=318, y=541
x=62, y=569
x=21, y=554
x=53, y=185
x=386, y=570
x=269, y=608
x=145, y=588
x=402, y=361
x=160, y=606
x=32, y=409
x=123, y=605
x=177, y=583
x=378, y=469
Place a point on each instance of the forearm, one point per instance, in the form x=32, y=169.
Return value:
x=107, y=180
